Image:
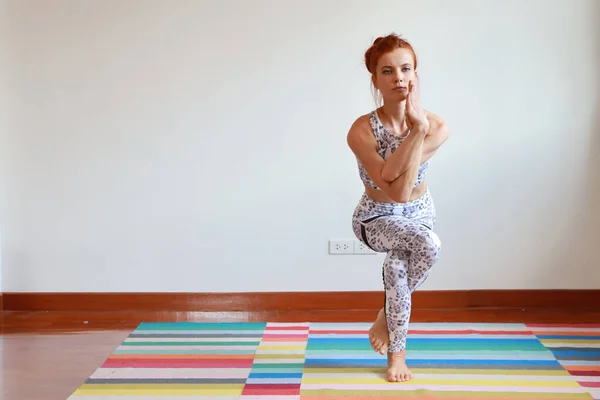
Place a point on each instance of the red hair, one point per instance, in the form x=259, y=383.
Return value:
x=383, y=45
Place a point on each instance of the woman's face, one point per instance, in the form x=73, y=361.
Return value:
x=394, y=71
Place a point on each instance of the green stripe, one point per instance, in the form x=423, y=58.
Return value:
x=282, y=366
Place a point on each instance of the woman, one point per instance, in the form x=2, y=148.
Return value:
x=396, y=214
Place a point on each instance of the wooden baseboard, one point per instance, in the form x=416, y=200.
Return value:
x=269, y=301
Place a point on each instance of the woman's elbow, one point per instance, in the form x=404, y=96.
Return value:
x=401, y=195
x=388, y=176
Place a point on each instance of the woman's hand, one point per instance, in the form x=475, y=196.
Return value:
x=416, y=118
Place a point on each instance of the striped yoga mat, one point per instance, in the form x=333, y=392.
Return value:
x=335, y=361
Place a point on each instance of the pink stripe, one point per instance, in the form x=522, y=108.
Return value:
x=177, y=363
x=170, y=373
x=563, y=325
x=287, y=328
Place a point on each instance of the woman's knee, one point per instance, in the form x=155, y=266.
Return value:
x=429, y=243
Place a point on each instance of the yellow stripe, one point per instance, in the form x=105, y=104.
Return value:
x=286, y=356
x=588, y=341
x=453, y=382
x=108, y=389
x=157, y=391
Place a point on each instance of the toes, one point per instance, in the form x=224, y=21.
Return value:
x=373, y=341
x=398, y=377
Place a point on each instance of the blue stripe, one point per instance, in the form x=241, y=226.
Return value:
x=257, y=375
x=433, y=361
x=576, y=353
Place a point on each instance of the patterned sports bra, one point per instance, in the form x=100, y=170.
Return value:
x=387, y=143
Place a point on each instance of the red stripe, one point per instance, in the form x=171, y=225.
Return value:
x=271, y=389
x=272, y=386
x=585, y=373
x=271, y=392
x=181, y=363
x=590, y=384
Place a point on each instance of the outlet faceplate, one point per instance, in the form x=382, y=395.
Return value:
x=361, y=248
x=348, y=246
x=341, y=247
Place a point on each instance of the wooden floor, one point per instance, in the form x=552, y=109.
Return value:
x=47, y=355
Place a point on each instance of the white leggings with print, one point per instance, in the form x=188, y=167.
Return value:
x=405, y=232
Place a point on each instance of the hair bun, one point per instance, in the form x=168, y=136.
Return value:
x=385, y=44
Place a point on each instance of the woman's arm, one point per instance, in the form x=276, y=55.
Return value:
x=400, y=160
x=363, y=144
x=436, y=137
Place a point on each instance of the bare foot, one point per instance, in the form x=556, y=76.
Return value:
x=378, y=334
x=397, y=369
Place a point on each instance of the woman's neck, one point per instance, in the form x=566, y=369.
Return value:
x=394, y=115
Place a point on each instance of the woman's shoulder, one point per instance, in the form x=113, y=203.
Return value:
x=361, y=131
x=362, y=123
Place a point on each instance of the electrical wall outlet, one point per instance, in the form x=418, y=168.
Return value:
x=348, y=246
x=341, y=246
x=361, y=248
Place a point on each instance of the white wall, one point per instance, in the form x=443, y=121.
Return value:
x=4, y=118
x=201, y=145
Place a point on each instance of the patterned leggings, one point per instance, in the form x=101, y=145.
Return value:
x=405, y=232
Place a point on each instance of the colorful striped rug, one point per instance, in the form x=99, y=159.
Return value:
x=320, y=361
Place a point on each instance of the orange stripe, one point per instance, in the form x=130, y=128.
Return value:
x=583, y=368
